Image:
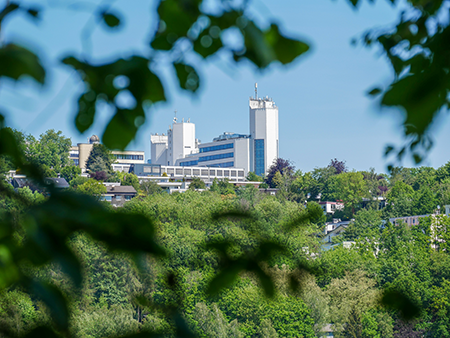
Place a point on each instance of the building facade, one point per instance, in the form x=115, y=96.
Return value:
x=263, y=134
x=80, y=153
x=254, y=152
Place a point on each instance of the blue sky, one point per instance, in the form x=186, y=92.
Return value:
x=323, y=110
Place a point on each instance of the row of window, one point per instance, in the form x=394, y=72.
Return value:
x=219, y=147
x=259, y=157
x=76, y=161
x=223, y=165
x=215, y=157
x=74, y=154
x=117, y=197
x=129, y=157
x=188, y=163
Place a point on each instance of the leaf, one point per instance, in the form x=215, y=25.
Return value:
x=33, y=13
x=286, y=49
x=16, y=61
x=176, y=18
x=9, y=146
x=11, y=7
x=388, y=150
x=396, y=300
x=54, y=299
x=417, y=158
x=187, y=77
x=226, y=277
x=266, y=282
x=262, y=48
x=111, y=20
x=143, y=85
x=374, y=92
x=232, y=214
x=124, y=124
x=42, y=331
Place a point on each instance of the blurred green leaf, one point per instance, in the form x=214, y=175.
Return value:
x=54, y=299
x=123, y=123
x=176, y=18
x=110, y=19
x=42, y=331
x=388, y=150
x=398, y=301
x=226, y=277
x=262, y=48
x=9, y=8
x=143, y=85
x=187, y=77
x=16, y=61
x=374, y=92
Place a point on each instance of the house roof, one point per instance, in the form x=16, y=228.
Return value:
x=57, y=182
x=123, y=189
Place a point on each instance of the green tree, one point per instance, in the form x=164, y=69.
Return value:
x=131, y=180
x=92, y=187
x=69, y=172
x=150, y=187
x=367, y=226
x=100, y=159
x=350, y=297
x=252, y=177
x=197, y=183
x=349, y=187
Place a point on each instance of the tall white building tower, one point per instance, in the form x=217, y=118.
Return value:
x=263, y=133
x=181, y=139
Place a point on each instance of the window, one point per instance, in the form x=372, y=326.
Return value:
x=106, y=198
x=204, y=172
x=118, y=198
x=76, y=161
x=179, y=171
x=128, y=197
x=129, y=157
x=223, y=165
x=259, y=157
x=219, y=147
x=241, y=174
x=188, y=163
x=215, y=157
x=219, y=173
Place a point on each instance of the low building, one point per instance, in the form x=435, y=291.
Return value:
x=409, y=220
x=333, y=229
x=118, y=194
x=329, y=208
x=80, y=153
x=207, y=174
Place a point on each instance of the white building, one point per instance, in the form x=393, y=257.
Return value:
x=80, y=153
x=263, y=133
x=255, y=152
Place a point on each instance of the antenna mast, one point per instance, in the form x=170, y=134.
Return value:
x=256, y=90
x=175, y=118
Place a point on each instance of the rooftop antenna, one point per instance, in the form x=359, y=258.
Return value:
x=175, y=118
x=256, y=90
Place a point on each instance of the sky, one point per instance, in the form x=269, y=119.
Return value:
x=324, y=112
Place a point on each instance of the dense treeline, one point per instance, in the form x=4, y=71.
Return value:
x=343, y=286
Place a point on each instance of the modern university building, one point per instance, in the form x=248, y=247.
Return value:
x=254, y=152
